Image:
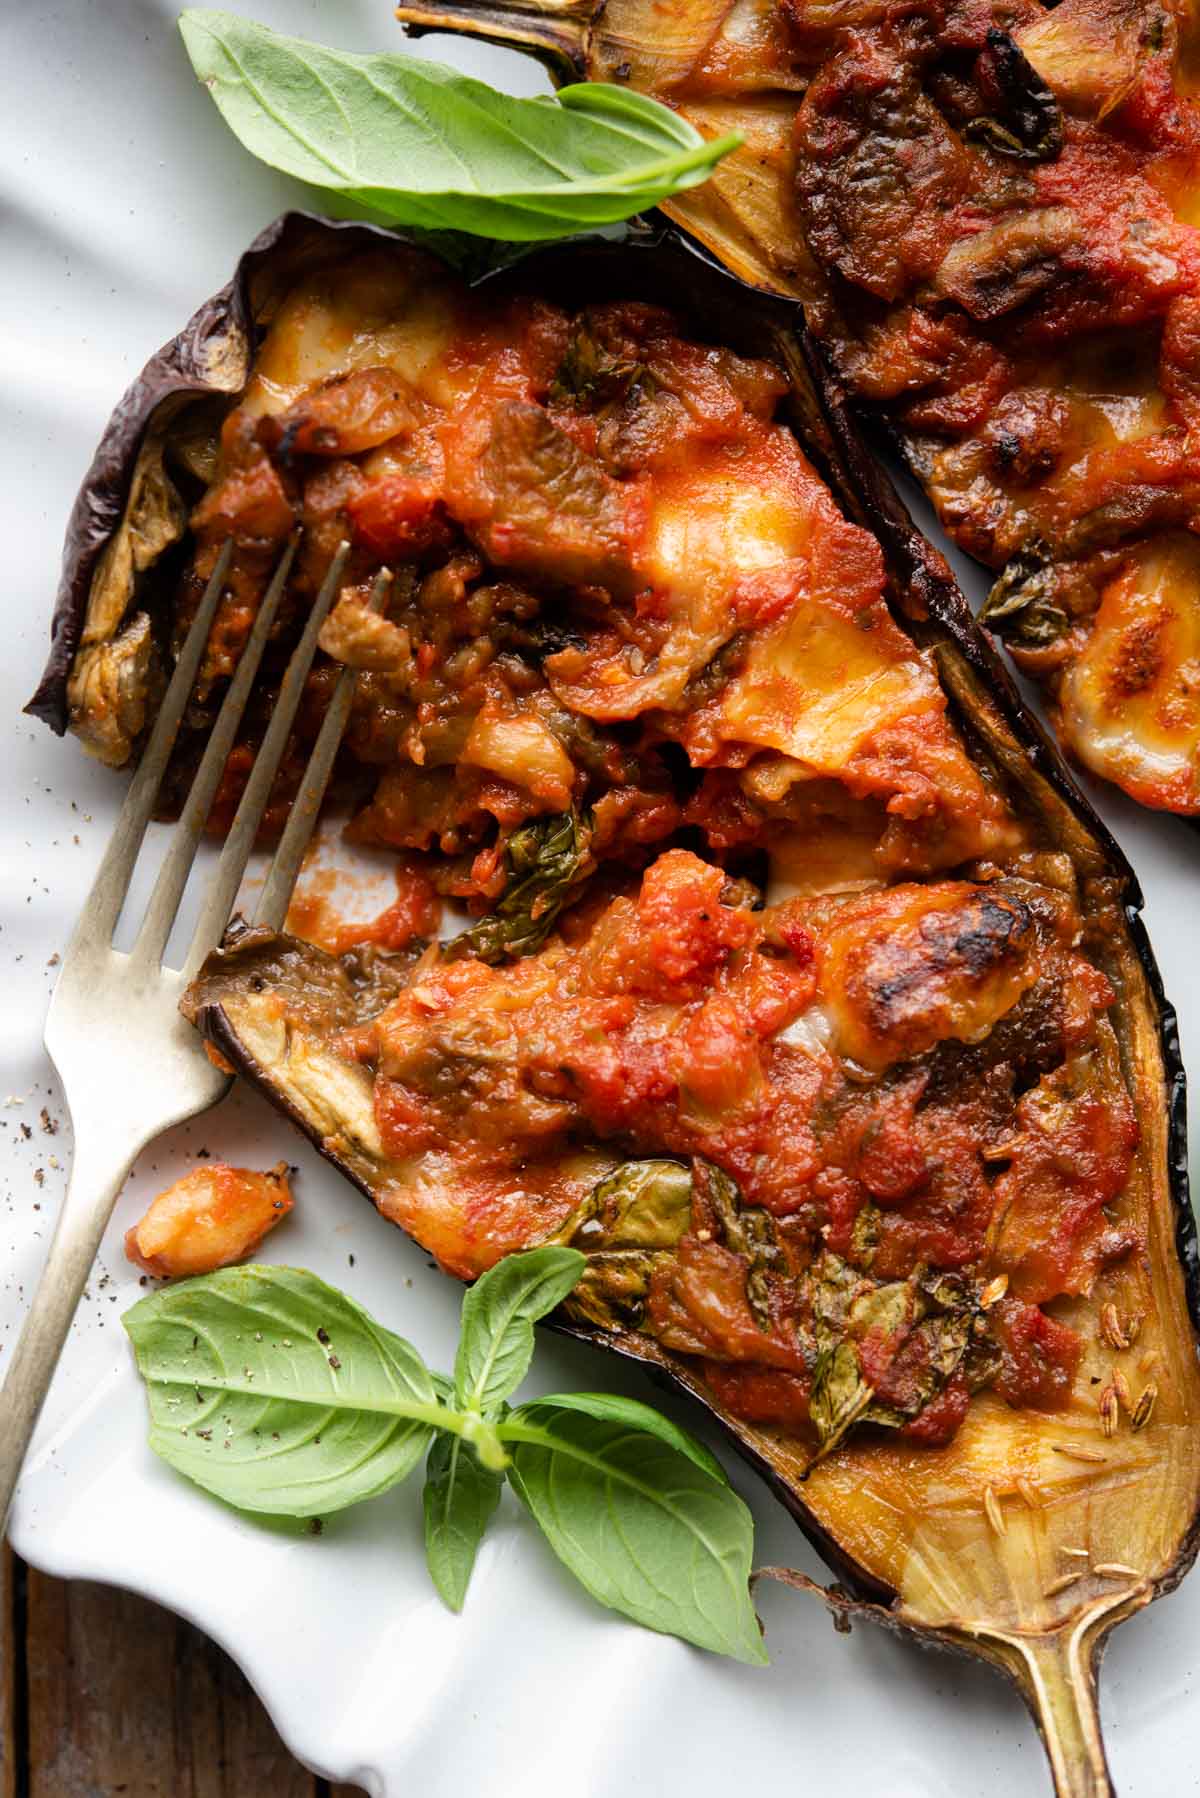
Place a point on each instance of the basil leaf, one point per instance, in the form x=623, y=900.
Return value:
x=495, y=1346
x=1021, y=606
x=636, y=1416
x=459, y=1498
x=924, y=1323
x=643, y=1205
x=639, y=1521
x=544, y=863
x=840, y=1396
x=278, y=1393
x=749, y=1231
x=628, y=1226
x=419, y=144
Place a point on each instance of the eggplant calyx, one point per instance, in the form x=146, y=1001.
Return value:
x=557, y=32
x=839, y=1603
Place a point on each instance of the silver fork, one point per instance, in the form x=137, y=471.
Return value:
x=129, y=1063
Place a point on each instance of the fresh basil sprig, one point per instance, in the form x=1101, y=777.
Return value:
x=418, y=144
x=281, y=1395
x=495, y=1345
x=640, y=1514
x=459, y=1499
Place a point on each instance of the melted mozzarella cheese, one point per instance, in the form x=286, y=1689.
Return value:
x=811, y=1033
x=722, y=518
x=1131, y=701
x=911, y=967
x=817, y=686
x=839, y=857
x=381, y=311
x=706, y=527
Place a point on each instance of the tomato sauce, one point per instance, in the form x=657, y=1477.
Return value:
x=633, y=658
x=1002, y=206
x=680, y=1023
x=316, y=916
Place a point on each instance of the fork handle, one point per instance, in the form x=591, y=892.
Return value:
x=91, y=1194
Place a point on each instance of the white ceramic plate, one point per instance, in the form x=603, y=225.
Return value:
x=126, y=203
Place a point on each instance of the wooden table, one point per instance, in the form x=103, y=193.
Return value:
x=102, y=1693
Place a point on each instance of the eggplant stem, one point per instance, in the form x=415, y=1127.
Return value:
x=1056, y=1674
x=1061, y=1692
x=557, y=32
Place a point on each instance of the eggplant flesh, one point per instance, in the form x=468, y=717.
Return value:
x=947, y=194
x=963, y=1543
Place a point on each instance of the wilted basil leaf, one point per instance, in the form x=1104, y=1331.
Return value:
x=921, y=1330
x=591, y=375
x=546, y=861
x=864, y=1238
x=646, y=1522
x=1020, y=607
x=613, y=1288
x=644, y=1205
x=277, y=1392
x=1028, y=126
x=459, y=1499
x=498, y=1315
x=421, y=145
x=839, y=1395
x=633, y=1220
x=746, y=1229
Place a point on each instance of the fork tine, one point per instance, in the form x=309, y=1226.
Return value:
x=240, y=841
x=103, y=908
x=172, y=876
x=302, y=817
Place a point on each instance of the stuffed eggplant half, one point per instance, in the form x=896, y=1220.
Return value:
x=990, y=213
x=801, y=990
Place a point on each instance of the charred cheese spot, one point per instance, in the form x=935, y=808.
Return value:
x=920, y=964
x=1130, y=703
x=1058, y=451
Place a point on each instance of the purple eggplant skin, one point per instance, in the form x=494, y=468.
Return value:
x=213, y=355
x=203, y=359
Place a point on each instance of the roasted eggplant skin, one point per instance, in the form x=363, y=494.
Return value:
x=203, y=359
x=1054, y=1662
